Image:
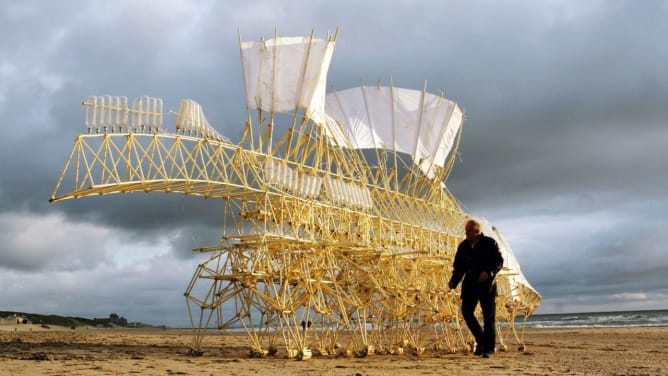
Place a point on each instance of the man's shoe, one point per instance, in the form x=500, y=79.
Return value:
x=478, y=351
x=487, y=353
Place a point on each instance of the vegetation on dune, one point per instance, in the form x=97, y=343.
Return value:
x=39, y=319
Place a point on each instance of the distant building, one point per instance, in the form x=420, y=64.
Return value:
x=113, y=320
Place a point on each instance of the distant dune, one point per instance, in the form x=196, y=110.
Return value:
x=36, y=319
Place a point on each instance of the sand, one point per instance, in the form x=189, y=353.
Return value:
x=58, y=351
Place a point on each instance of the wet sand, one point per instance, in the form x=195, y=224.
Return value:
x=58, y=351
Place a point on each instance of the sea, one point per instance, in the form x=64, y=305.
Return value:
x=617, y=319
x=598, y=319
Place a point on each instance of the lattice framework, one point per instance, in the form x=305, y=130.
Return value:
x=367, y=279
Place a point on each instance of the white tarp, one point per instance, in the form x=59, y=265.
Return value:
x=288, y=73
x=409, y=121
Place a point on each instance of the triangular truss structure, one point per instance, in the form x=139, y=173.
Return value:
x=338, y=234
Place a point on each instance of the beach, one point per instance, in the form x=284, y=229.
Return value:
x=34, y=350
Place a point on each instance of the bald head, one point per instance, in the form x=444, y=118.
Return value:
x=472, y=230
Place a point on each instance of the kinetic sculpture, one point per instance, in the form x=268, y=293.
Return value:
x=338, y=234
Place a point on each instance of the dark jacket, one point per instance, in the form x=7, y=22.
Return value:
x=470, y=262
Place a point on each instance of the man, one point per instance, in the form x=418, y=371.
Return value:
x=478, y=260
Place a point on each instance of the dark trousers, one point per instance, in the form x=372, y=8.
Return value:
x=484, y=337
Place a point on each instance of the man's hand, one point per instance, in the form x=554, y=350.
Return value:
x=483, y=277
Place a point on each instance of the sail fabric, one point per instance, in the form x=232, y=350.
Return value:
x=414, y=122
x=511, y=266
x=288, y=73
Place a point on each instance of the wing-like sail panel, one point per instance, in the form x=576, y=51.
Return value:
x=518, y=287
x=414, y=122
x=288, y=73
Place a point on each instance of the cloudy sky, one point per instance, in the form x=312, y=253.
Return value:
x=563, y=146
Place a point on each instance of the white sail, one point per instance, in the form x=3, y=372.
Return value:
x=288, y=73
x=519, y=288
x=414, y=122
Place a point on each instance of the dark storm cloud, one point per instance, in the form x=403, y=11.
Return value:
x=562, y=148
